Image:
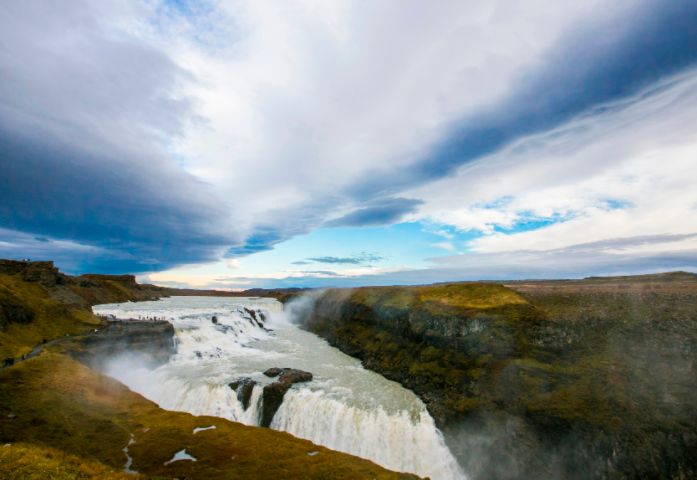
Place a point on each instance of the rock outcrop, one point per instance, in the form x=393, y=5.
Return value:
x=274, y=392
x=244, y=388
x=151, y=342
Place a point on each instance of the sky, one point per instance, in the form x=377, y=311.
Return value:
x=304, y=143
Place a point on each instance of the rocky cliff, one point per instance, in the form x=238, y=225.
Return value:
x=544, y=382
x=38, y=302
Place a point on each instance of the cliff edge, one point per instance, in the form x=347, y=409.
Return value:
x=576, y=382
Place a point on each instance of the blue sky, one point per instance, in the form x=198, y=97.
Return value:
x=236, y=144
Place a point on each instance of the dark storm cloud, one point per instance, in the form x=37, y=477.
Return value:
x=129, y=213
x=84, y=113
x=377, y=213
x=601, y=63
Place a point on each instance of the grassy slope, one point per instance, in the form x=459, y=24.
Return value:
x=51, y=319
x=25, y=461
x=63, y=405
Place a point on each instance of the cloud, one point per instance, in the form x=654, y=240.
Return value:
x=378, y=213
x=620, y=173
x=352, y=261
x=142, y=136
x=83, y=134
x=233, y=263
x=300, y=263
x=445, y=245
x=329, y=273
x=595, y=64
x=357, y=259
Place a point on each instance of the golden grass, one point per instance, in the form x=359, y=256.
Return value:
x=440, y=298
x=25, y=461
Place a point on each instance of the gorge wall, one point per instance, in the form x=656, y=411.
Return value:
x=572, y=382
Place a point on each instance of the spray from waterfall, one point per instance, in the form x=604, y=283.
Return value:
x=345, y=407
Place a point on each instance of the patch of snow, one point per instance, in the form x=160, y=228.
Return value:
x=203, y=428
x=313, y=453
x=182, y=455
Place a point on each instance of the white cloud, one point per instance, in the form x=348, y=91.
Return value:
x=626, y=173
x=445, y=245
x=309, y=94
x=233, y=263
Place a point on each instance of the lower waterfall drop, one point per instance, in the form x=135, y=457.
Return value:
x=345, y=407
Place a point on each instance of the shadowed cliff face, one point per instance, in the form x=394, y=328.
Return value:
x=543, y=382
x=151, y=342
x=38, y=302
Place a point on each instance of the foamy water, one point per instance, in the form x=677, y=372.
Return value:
x=345, y=407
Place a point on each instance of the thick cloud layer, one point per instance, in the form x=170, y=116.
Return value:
x=86, y=114
x=146, y=135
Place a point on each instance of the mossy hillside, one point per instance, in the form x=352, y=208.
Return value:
x=441, y=341
x=35, y=316
x=62, y=405
x=26, y=461
x=600, y=377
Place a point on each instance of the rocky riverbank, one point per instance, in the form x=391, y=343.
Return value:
x=544, y=382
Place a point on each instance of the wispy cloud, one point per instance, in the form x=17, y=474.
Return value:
x=357, y=259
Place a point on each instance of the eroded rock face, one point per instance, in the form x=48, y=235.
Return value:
x=274, y=392
x=244, y=388
x=151, y=341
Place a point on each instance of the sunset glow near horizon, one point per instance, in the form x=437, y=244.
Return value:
x=240, y=144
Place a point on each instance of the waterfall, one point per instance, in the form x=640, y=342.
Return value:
x=345, y=408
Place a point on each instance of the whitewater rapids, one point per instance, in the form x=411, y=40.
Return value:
x=345, y=407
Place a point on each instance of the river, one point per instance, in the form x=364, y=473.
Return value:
x=345, y=407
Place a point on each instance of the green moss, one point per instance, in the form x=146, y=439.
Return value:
x=49, y=318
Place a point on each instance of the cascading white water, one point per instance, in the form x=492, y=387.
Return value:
x=345, y=407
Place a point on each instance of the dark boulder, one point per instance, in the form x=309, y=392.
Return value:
x=291, y=375
x=274, y=392
x=244, y=388
x=273, y=372
x=214, y=319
